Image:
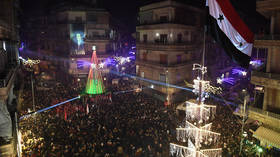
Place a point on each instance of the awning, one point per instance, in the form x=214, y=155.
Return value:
x=268, y=136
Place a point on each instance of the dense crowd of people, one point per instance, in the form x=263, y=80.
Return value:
x=128, y=124
x=132, y=124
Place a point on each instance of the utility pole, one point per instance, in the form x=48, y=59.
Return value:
x=167, y=86
x=244, y=116
x=32, y=86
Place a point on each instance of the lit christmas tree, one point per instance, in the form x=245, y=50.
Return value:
x=95, y=80
x=201, y=141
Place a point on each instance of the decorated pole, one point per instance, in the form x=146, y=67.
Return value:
x=197, y=128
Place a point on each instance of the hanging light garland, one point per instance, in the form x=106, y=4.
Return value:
x=196, y=128
x=29, y=61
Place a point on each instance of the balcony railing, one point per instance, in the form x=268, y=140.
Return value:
x=260, y=111
x=158, y=42
x=266, y=75
x=167, y=45
x=165, y=22
x=164, y=64
x=97, y=37
x=70, y=22
x=267, y=37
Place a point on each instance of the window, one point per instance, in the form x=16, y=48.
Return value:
x=178, y=77
x=163, y=38
x=163, y=19
x=145, y=56
x=137, y=36
x=91, y=18
x=227, y=74
x=145, y=38
x=179, y=59
x=163, y=59
x=78, y=19
x=137, y=69
x=162, y=77
x=179, y=38
x=80, y=65
x=143, y=74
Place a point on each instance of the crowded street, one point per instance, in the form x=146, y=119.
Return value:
x=127, y=124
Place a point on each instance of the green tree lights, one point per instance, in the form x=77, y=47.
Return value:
x=95, y=82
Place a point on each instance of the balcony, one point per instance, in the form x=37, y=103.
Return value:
x=267, y=118
x=268, y=37
x=155, y=22
x=6, y=81
x=266, y=7
x=266, y=41
x=166, y=25
x=269, y=80
x=66, y=21
x=94, y=25
x=162, y=65
x=97, y=37
x=185, y=46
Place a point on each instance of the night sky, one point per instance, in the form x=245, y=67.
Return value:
x=125, y=11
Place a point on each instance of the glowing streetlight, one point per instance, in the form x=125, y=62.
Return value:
x=30, y=63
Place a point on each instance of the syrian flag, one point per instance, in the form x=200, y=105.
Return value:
x=228, y=29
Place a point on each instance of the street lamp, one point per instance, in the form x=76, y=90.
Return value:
x=29, y=63
x=167, y=86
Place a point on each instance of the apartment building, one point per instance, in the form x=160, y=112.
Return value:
x=169, y=40
x=266, y=109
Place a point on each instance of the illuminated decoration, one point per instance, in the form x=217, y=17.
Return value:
x=256, y=63
x=239, y=71
x=29, y=62
x=21, y=46
x=131, y=52
x=199, y=67
x=101, y=65
x=4, y=45
x=80, y=64
x=258, y=88
x=95, y=81
x=122, y=60
x=77, y=35
x=205, y=87
x=79, y=38
x=93, y=66
x=222, y=79
x=196, y=130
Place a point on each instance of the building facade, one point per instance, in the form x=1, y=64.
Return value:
x=267, y=78
x=67, y=34
x=87, y=29
x=169, y=39
x=9, y=40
